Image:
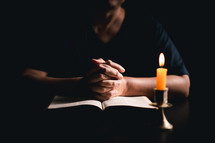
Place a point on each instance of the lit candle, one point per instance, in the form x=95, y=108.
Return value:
x=161, y=74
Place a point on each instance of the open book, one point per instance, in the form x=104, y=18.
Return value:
x=134, y=101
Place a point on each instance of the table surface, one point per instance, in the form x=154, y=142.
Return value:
x=120, y=124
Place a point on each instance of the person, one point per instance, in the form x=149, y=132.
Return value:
x=113, y=53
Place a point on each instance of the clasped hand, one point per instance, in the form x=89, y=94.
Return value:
x=105, y=79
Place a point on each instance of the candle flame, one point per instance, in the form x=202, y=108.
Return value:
x=161, y=60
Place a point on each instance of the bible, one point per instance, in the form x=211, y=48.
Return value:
x=132, y=101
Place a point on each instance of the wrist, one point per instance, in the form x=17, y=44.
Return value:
x=129, y=86
x=126, y=86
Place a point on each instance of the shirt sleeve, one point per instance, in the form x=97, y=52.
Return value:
x=173, y=60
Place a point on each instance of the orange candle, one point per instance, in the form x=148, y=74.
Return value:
x=161, y=74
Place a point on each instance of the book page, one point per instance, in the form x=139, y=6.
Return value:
x=134, y=101
x=64, y=102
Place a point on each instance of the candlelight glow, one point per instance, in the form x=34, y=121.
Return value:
x=161, y=60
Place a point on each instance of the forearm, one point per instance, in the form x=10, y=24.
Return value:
x=178, y=86
x=55, y=85
x=62, y=85
x=140, y=86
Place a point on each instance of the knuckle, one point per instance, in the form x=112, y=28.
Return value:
x=105, y=83
x=110, y=71
x=106, y=66
x=102, y=66
x=102, y=83
x=109, y=62
x=103, y=90
x=115, y=84
x=106, y=70
x=101, y=76
x=111, y=93
x=100, y=59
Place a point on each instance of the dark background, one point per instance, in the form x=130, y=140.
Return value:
x=189, y=24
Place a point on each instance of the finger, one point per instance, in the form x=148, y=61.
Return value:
x=109, y=94
x=112, y=72
x=97, y=77
x=100, y=98
x=109, y=83
x=107, y=69
x=116, y=66
x=98, y=61
x=99, y=89
x=94, y=70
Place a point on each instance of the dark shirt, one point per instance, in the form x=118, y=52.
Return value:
x=136, y=47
